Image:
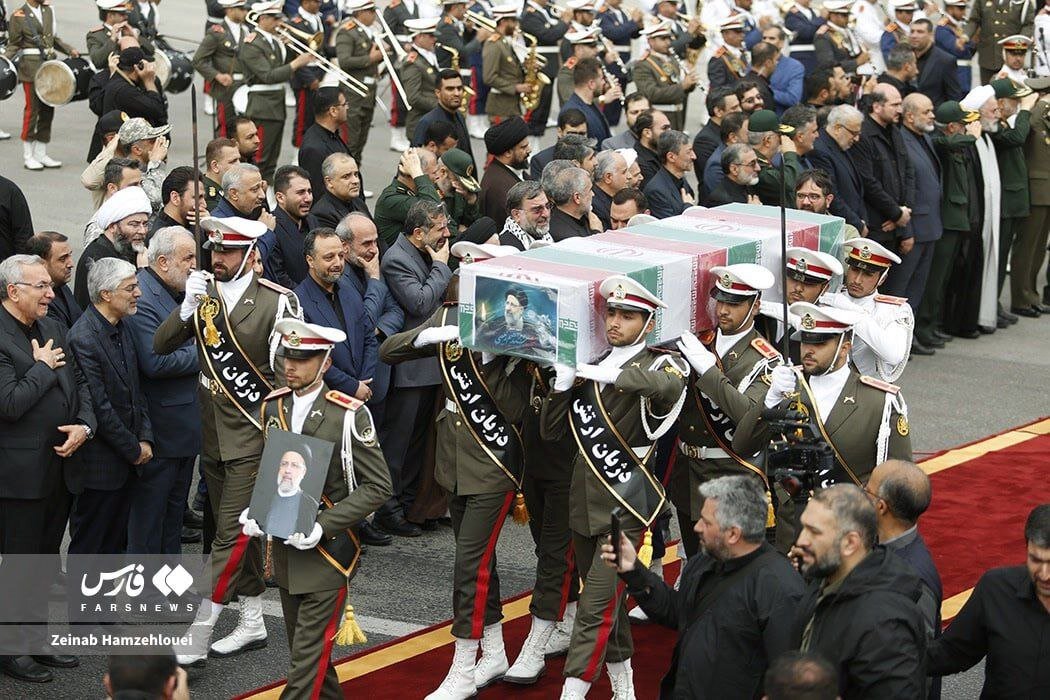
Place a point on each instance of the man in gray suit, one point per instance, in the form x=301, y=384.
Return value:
x=416, y=271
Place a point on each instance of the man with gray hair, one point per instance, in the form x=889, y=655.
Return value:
x=169, y=383
x=839, y=135
x=342, y=191
x=571, y=192
x=738, y=592
x=529, y=216
x=740, y=165
x=860, y=609
x=105, y=349
x=610, y=176
x=667, y=191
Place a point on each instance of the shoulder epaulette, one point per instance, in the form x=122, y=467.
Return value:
x=18, y=13
x=218, y=29
x=892, y=27
x=570, y=62
x=879, y=384
x=99, y=28
x=297, y=19
x=495, y=37
x=345, y=400
x=350, y=24
x=887, y=299
x=765, y=349
x=250, y=38
x=449, y=20
x=274, y=286
x=277, y=393
x=721, y=51
x=943, y=22
x=411, y=57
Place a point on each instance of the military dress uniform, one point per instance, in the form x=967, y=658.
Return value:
x=946, y=35
x=213, y=193
x=502, y=72
x=659, y=78
x=727, y=67
x=537, y=20
x=1029, y=249
x=648, y=388
x=308, y=78
x=231, y=433
x=353, y=46
x=395, y=15
x=315, y=581
x=1014, y=200
x=996, y=20
x=216, y=54
x=100, y=44
x=419, y=75
x=35, y=39
x=838, y=46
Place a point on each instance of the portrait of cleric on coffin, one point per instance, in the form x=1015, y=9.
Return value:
x=289, y=484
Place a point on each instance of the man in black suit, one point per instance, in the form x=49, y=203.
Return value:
x=179, y=208
x=105, y=350
x=900, y=492
x=720, y=102
x=668, y=192
x=449, y=93
x=829, y=154
x=16, y=221
x=169, y=383
x=285, y=264
x=342, y=192
x=938, y=78
x=56, y=252
x=322, y=138
x=740, y=165
x=45, y=417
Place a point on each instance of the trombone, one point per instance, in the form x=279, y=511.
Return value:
x=481, y=20
x=309, y=44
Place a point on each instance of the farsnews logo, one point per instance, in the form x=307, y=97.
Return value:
x=129, y=581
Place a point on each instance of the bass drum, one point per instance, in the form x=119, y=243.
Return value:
x=8, y=78
x=174, y=70
x=59, y=82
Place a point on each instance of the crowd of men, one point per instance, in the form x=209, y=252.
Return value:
x=213, y=301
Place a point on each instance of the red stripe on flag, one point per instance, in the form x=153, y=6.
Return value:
x=481, y=587
x=329, y=637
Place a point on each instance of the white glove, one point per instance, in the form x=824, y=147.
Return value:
x=602, y=375
x=773, y=309
x=250, y=527
x=301, y=541
x=564, y=376
x=694, y=351
x=840, y=301
x=196, y=287
x=433, y=336
x=781, y=384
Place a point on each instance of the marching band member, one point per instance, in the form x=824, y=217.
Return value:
x=216, y=59
x=659, y=76
x=951, y=36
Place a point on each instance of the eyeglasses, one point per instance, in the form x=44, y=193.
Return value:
x=39, y=286
x=810, y=197
x=854, y=134
x=540, y=208
x=130, y=289
x=749, y=164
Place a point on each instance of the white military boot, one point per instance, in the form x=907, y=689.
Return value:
x=530, y=664
x=459, y=683
x=250, y=632
x=621, y=678
x=574, y=689
x=493, y=662
x=477, y=125
x=40, y=153
x=558, y=644
x=201, y=628
x=398, y=139
x=29, y=156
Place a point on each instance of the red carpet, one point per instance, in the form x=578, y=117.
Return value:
x=982, y=495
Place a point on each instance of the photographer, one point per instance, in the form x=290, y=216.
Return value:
x=134, y=89
x=863, y=420
x=739, y=592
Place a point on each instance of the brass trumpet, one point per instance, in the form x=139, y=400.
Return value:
x=481, y=20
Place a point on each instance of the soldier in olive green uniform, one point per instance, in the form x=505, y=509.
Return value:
x=100, y=43
x=419, y=71
x=232, y=318
x=358, y=55
x=619, y=410
x=658, y=76
x=313, y=569
x=865, y=422
x=501, y=69
x=727, y=382
x=1030, y=247
x=479, y=452
x=216, y=60
x=405, y=190
x=995, y=20
x=267, y=69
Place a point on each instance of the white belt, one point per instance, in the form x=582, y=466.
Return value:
x=368, y=80
x=209, y=383
x=548, y=49
x=451, y=406
x=703, y=452
x=237, y=76
x=623, y=49
x=802, y=47
x=466, y=72
x=668, y=108
x=964, y=62
x=32, y=52
x=266, y=87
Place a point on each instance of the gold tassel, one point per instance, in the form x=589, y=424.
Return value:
x=209, y=309
x=350, y=632
x=521, y=513
x=268, y=561
x=645, y=552
x=771, y=518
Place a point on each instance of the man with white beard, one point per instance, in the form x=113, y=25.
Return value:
x=529, y=217
x=982, y=100
x=124, y=220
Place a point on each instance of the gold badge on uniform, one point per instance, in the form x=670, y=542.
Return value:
x=801, y=265
x=619, y=293
x=453, y=350
x=272, y=422
x=808, y=323
x=727, y=281
x=293, y=339
x=865, y=253
x=902, y=426
x=671, y=369
x=368, y=437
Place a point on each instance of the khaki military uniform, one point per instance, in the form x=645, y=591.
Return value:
x=216, y=54
x=651, y=382
x=266, y=70
x=100, y=45
x=353, y=44
x=734, y=385
x=313, y=591
x=232, y=443
x=659, y=78
x=1029, y=249
x=419, y=78
x=481, y=494
x=565, y=84
x=998, y=19
x=37, y=43
x=502, y=72
x=852, y=426
x=213, y=193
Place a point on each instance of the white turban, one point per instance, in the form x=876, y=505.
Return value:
x=123, y=203
x=629, y=154
x=976, y=98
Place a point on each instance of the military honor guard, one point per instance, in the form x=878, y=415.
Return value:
x=458, y=38
x=729, y=62
x=809, y=274
x=479, y=464
x=313, y=569
x=839, y=44
x=869, y=20
x=950, y=35
x=502, y=68
x=729, y=367
x=419, y=71
x=1029, y=249
x=104, y=40
x=863, y=419
x=358, y=54
x=539, y=19
x=898, y=28
x=231, y=312
x=217, y=61
x=268, y=65
x=803, y=22
x=996, y=20
x=615, y=410
x=395, y=15
x=884, y=324
x=307, y=79
x=660, y=76
x=1015, y=58
x=31, y=35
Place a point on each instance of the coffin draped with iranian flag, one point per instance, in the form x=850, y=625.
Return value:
x=544, y=304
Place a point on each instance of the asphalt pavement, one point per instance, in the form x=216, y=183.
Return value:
x=967, y=391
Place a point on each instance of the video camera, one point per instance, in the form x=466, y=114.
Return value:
x=801, y=461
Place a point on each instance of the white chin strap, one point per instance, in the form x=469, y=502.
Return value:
x=641, y=333
x=320, y=370
x=244, y=261
x=838, y=348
